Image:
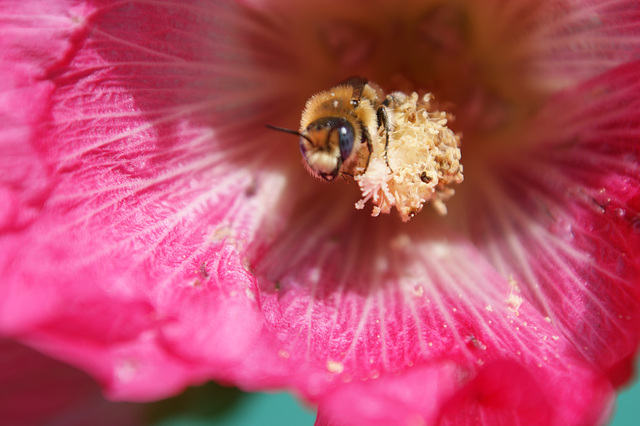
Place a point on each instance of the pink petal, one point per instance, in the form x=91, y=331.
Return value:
x=358, y=303
x=595, y=37
x=134, y=264
x=413, y=397
x=562, y=218
x=35, y=389
x=498, y=61
x=505, y=393
x=501, y=393
x=32, y=47
x=555, y=44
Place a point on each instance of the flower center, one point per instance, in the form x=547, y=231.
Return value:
x=456, y=51
x=474, y=59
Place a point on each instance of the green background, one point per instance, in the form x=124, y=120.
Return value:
x=215, y=405
x=628, y=409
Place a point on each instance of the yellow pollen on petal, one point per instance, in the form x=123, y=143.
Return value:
x=250, y=295
x=418, y=291
x=126, y=370
x=335, y=367
x=422, y=160
x=283, y=354
x=514, y=301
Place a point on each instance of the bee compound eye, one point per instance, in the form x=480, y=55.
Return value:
x=346, y=138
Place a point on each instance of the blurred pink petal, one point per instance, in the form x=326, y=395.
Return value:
x=505, y=393
x=152, y=228
x=502, y=392
x=413, y=397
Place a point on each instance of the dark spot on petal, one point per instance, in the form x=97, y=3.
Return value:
x=203, y=270
x=602, y=205
x=251, y=190
x=474, y=343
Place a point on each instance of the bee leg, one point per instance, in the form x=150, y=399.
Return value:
x=366, y=137
x=383, y=118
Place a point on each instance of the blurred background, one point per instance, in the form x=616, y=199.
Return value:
x=628, y=410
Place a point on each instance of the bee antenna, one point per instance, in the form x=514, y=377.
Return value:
x=285, y=130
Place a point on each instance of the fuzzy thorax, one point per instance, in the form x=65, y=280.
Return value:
x=423, y=160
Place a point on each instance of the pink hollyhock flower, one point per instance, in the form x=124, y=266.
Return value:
x=37, y=390
x=155, y=235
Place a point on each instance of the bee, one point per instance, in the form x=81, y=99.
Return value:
x=340, y=127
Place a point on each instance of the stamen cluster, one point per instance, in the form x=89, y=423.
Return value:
x=422, y=160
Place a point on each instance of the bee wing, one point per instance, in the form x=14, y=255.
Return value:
x=358, y=84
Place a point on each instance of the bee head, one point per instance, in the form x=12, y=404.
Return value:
x=325, y=145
